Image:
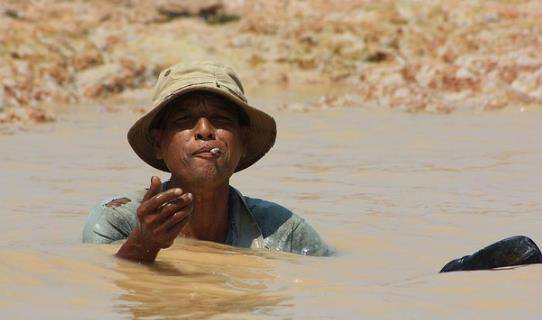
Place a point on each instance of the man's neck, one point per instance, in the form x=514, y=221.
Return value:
x=209, y=219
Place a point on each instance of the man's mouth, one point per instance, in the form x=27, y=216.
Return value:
x=208, y=152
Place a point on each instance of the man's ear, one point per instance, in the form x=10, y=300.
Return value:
x=156, y=137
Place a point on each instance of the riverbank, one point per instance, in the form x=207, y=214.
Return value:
x=438, y=56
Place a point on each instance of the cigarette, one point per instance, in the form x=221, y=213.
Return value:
x=216, y=151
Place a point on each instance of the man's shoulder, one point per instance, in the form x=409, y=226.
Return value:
x=272, y=216
x=124, y=200
x=284, y=230
x=113, y=218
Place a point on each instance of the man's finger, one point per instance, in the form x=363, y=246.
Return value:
x=179, y=216
x=154, y=188
x=170, y=208
x=174, y=226
x=160, y=199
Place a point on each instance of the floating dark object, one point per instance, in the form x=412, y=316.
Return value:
x=513, y=251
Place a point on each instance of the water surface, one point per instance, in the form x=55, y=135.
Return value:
x=397, y=194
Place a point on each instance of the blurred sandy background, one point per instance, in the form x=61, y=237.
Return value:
x=418, y=56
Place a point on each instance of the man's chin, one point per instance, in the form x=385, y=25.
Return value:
x=203, y=172
x=210, y=174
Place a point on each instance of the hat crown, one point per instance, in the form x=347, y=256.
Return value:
x=183, y=75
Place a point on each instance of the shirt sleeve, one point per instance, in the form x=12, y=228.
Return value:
x=284, y=230
x=111, y=221
x=306, y=241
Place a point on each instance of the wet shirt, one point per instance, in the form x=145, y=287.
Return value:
x=253, y=223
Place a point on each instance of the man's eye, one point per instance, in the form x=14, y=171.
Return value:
x=222, y=119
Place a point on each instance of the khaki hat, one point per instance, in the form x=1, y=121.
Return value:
x=212, y=77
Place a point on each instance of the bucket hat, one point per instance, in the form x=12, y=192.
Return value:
x=180, y=79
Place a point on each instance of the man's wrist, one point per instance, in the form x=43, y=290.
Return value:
x=138, y=249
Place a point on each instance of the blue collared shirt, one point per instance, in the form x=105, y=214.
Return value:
x=253, y=223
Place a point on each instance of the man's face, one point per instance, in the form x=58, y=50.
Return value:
x=193, y=127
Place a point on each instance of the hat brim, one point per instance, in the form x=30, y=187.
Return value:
x=260, y=139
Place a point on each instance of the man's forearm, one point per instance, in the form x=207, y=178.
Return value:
x=136, y=249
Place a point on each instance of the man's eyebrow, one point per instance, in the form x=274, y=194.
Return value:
x=227, y=112
x=228, y=109
x=224, y=111
x=178, y=114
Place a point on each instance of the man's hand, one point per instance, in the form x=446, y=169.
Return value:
x=161, y=216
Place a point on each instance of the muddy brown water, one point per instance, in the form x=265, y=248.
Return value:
x=397, y=194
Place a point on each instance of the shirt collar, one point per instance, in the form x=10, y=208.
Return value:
x=244, y=230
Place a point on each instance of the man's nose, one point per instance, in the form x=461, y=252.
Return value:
x=204, y=130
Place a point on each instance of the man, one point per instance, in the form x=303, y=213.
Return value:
x=201, y=129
